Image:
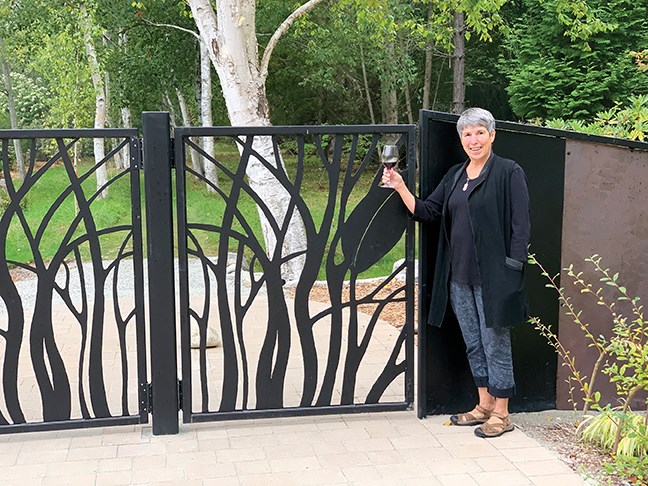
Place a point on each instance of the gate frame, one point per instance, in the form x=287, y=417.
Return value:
x=130, y=134
x=183, y=133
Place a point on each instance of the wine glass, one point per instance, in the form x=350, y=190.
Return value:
x=389, y=159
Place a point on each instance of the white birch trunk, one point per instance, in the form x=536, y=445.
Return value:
x=196, y=159
x=168, y=106
x=233, y=49
x=13, y=118
x=100, y=99
x=206, y=116
x=126, y=123
x=119, y=163
x=122, y=159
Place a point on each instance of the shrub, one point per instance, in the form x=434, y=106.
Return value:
x=629, y=121
x=623, y=357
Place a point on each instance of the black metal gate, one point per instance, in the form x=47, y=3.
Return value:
x=301, y=329
x=72, y=342
x=72, y=336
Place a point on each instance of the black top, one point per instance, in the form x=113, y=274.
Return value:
x=463, y=259
x=499, y=213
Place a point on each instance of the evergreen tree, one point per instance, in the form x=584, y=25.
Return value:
x=571, y=68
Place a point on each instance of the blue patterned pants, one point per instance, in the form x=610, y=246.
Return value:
x=488, y=349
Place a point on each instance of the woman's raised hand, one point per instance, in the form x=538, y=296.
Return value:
x=392, y=178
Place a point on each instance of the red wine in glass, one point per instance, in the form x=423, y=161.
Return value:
x=389, y=159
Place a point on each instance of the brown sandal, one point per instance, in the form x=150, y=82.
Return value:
x=478, y=415
x=496, y=427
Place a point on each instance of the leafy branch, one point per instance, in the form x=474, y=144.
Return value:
x=623, y=357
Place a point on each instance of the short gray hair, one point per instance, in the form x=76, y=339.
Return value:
x=476, y=117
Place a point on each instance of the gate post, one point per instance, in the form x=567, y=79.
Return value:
x=159, y=229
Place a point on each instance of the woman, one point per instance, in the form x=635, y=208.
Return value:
x=483, y=205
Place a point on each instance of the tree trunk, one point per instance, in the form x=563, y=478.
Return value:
x=122, y=159
x=100, y=99
x=206, y=116
x=13, y=118
x=196, y=160
x=427, y=77
x=233, y=50
x=389, y=103
x=119, y=163
x=458, y=64
x=366, y=87
x=168, y=106
x=389, y=95
x=408, y=104
x=126, y=123
x=438, y=82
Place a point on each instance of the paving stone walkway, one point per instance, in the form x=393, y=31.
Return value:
x=389, y=449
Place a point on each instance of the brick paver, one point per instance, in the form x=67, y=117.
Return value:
x=390, y=449
x=369, y=449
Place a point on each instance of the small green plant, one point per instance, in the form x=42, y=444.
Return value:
x=629, y=121
x=5, y=201
x=623, y=357
x=641, y=59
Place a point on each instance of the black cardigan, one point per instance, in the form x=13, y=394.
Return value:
x=499, y=213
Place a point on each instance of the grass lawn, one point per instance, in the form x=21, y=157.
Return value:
x=46, y=201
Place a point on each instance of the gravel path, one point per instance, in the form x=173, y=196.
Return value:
x=26, y=283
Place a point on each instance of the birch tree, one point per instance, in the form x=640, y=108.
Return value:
x=206, y=115
x=13, y=119
x=100, y=97
x=230, y=36
x=196, y=160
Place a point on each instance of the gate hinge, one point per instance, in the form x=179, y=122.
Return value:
x=179, y=395
x=146, y=397
x=140, y=150
x=137, y=155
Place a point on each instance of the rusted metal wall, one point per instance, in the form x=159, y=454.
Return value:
x=606, y=213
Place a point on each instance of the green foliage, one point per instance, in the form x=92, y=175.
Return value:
x=630, y=121
x=30, y=96
x=483, y=17
x=63, y=65
x=564, y=63
x=631, y=456
x=579, y=20
x=333, y=46
x=328, y=50
x=633, y=467
x=145, y=61
x=623, y=357
x=641, y=59
x=46, y=44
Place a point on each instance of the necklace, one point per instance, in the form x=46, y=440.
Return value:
x=468, y=179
